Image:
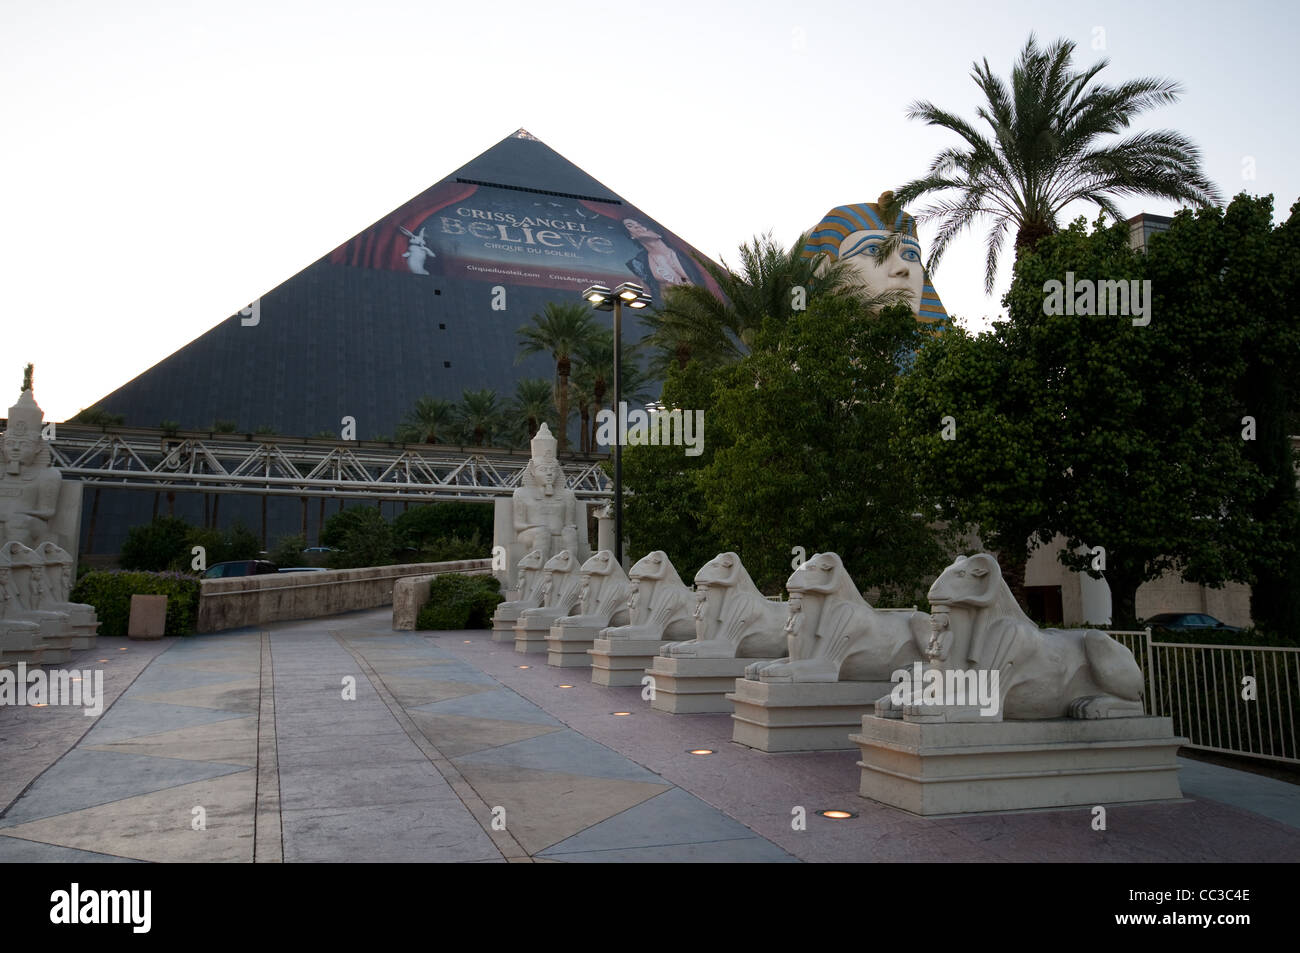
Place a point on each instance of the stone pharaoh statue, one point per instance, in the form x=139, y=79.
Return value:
x=29, y=486
x=545, y=511
x=36, y=573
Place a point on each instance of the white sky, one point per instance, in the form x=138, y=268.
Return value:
x=164, y=163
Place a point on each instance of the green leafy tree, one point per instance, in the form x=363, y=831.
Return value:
x=558, y=331
x=360, y=537
x=156, y=546
x=1238, y=274
x=664, y=505
x=806, y=421
x=288, y=552
x=1047, y=147
x=969, y=429
x=1145, y=461
x=421, y=526
x=236, y=542
x=1121, y=436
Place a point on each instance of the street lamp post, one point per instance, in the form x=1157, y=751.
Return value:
x=602, y=299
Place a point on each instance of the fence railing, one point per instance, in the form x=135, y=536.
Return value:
x=1234, y=699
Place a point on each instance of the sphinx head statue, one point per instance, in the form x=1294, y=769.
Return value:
x=878, y=241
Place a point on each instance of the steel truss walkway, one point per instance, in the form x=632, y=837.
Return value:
x=295, y=466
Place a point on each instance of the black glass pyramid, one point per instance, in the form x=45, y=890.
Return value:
x=426, y=301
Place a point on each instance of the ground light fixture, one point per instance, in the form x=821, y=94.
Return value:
x=620, y=713
x=601, y=298
x=700, y=751
x=836, y=814
x=523, y=666
x=563, y=686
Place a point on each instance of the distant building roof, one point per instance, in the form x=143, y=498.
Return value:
x=1143, y=225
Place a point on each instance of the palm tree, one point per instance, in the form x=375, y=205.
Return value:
x=432, y=420
x=533, y=404
x=1046, y=151
x=581, y=385
x=694, y=322
x=594, y=377
x=479, y=415
x=558, y=331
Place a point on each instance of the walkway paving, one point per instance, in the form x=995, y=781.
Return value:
x=342, y=740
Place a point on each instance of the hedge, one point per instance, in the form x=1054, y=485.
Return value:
x=110, y=593
x=460, y=602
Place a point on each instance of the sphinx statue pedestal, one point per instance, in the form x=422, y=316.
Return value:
x=800, y=716
x=618, y=663
x=21, y=642
x=933, y=768
x=692, y=686
x=602, y=599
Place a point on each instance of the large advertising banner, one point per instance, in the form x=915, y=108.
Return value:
x=508, y=236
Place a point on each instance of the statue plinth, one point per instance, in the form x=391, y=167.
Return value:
x=689, y=686
x=800, y=716
x=938, y=768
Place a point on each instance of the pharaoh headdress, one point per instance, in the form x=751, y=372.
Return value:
x=842, y=221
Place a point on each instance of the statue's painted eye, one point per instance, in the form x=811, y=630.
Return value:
x=911, y=254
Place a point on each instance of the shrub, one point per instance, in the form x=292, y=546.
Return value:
x=110, y=593
x=460, y=602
